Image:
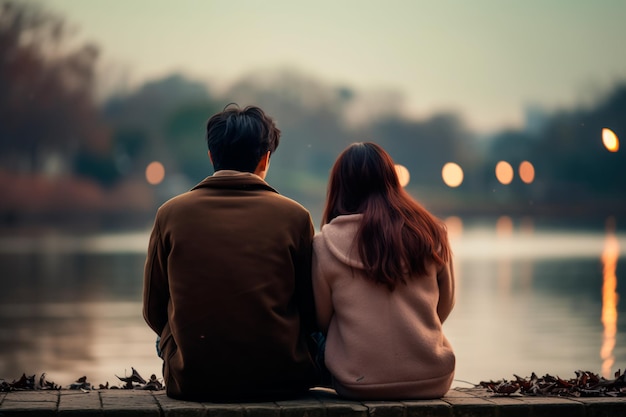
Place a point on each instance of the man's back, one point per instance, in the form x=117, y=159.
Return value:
x=231, y=261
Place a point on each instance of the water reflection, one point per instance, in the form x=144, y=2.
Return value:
x=527, y=300
x=504, y=227
x=505, y=232
x=609, y=299
x=454, y=225
x=527, y=225
x=530, y=301
x=72, y=339
x=72, y=314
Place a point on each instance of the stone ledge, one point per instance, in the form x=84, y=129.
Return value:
x=319, y=403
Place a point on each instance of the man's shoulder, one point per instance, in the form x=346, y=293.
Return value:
x=287, y=202
x=178, y=199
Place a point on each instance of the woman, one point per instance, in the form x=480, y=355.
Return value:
x=383, y=284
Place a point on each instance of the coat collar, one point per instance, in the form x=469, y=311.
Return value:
x=234, y=180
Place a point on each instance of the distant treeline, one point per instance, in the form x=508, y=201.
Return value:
x=84, y=156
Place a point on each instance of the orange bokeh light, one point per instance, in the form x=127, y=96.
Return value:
x=610, y=140
x=504, y=172
x=452, y=174
x=527, y=172
x=403, y=175
x=155, y=173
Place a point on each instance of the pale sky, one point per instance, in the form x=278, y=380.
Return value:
x=487, y=59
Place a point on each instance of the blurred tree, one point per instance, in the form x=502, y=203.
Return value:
x=185, y=139
x=572, y=157
x=46, y=107
x=97, y=166
x=150, y=106
x=162, y=120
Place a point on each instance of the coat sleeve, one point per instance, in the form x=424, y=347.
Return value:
x=304, y=288
x=321, y=290
x=155, y=284
x=445, y=279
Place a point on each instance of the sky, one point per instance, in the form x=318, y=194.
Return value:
x=488, y=60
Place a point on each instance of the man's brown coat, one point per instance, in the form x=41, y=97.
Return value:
x=227, y=286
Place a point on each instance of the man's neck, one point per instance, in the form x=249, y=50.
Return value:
x=232, y=172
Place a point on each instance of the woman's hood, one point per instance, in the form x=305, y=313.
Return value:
x=340, y=237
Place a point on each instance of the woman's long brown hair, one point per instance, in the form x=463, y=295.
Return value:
x=397, y=235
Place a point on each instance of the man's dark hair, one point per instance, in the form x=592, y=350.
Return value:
x=238, y=139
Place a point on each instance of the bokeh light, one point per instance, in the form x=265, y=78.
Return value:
x=403, y=175
x=155, y=173
x=527, y=172
x=610, y=140
x=452, y=174
x=504, y=172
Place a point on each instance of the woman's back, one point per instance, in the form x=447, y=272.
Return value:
x=381, y=344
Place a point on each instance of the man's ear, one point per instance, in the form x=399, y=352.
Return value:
x=210, y=158
x=263, y=165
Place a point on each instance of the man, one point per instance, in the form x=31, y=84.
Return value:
x=227, y=283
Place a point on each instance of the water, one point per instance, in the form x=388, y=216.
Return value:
x=528, y=300
x=72, y=307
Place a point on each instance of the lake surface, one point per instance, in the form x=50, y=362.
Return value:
x=528, y=300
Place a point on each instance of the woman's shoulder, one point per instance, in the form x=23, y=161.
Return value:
x=340, y=228
x=343, y=222
x=336, y=240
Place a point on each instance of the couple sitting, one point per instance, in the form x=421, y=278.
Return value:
x=236, y=284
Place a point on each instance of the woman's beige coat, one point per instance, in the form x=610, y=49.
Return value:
x=381, y=344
